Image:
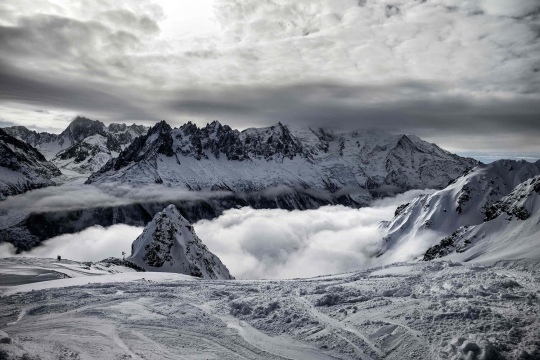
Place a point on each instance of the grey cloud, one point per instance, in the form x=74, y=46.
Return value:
x=15, y=86
x=92, y=244
x=76, y=197
x=263, y=243
x=288, y=244
x=86, y=45
x=129, y=21
x=421, y=108
x=463, y=68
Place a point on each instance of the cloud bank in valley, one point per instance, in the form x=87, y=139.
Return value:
x=75, y=197
x=288, y=244
x=92, y=244
x=256, y=244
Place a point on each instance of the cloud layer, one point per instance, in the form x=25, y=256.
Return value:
x=75, y=197
x=257, y=244
x=92, y=244
x=288, y=244
x=424, y=67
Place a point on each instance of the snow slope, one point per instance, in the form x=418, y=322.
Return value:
x=511, y=230
x=429, y=310
x=169, y=244
x=86, y=156
x=22, y=167
x=463, y=202
x=354, y=166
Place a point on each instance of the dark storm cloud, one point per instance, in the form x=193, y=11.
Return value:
x=413, y=106
x=462, y=74
x=63, y=93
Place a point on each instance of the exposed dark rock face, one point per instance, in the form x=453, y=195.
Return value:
x=448, y=245
x=169, y=243
x=517, y=208
x=515, y=203
x=400, y=209
x=25, y=168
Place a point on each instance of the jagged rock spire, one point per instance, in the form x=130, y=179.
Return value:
x=169, y=244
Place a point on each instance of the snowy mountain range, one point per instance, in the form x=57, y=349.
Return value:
x=474, y=206
x=84, y=146
x=22, y=167
x=273, y=167
x=352, y=167
x=169, y=244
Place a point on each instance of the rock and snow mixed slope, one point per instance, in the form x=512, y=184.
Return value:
x=169, y=244
x=86, y=156
x=463, y=202
x=511, y=230
x=84, y=146
x=22, y=167
x=348, y=165
x=430, y=310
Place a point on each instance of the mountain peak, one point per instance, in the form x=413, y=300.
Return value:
x=169, y=244
x=161, y=126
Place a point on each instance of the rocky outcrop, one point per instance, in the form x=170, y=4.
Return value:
x=22, y=167
x=169, y=243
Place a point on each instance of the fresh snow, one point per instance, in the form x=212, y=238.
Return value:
x=357, y=165
x=512, y=230
x=429, y=310
x=464, y=202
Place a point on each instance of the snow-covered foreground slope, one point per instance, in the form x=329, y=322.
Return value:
x=22, y=167
x=432, y=310
x=169, y=244
x=511, y=230
x=352, y=166
x=462, y=203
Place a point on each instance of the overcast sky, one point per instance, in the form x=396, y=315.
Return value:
x=463, y=74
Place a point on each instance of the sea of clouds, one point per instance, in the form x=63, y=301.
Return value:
x=270, y=244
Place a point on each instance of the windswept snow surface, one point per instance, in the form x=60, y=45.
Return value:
x=429, y=310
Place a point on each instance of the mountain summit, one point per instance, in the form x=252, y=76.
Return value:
x=169, y=244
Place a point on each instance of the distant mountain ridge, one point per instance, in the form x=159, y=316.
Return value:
x=84, y=146
x=22, y=167
x=356, y=165
x=276, y=167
